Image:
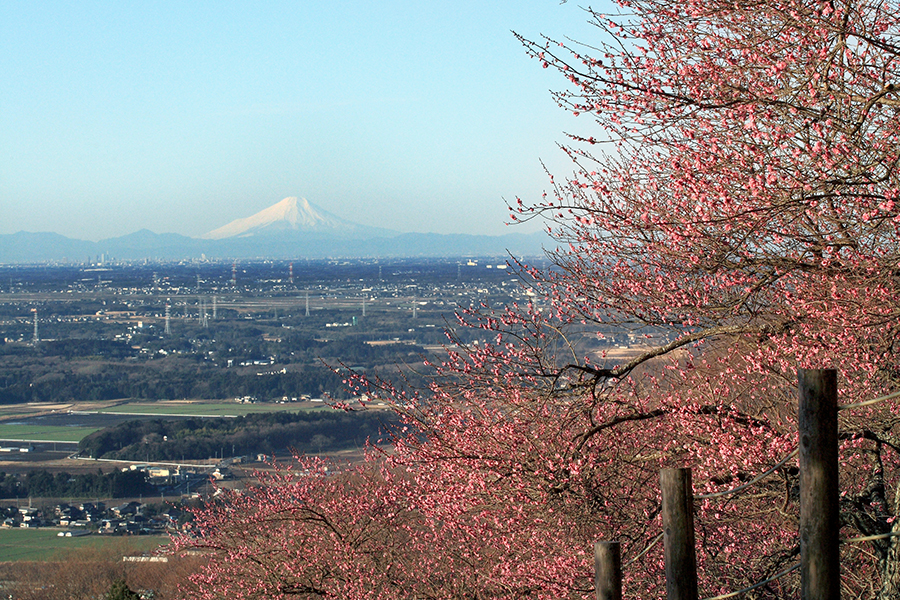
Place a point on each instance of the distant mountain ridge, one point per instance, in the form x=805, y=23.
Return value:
x=297, y=215
x=24, y=246
x=292, y=228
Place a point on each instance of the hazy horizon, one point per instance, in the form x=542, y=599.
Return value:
x=181, y=118
x=207, y=237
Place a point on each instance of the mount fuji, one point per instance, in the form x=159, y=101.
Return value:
x=291, y=228
x=294, y=215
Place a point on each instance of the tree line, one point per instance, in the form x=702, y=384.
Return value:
x=43, y=484
x=112, y=381
x=113, y=377
x=309, y=432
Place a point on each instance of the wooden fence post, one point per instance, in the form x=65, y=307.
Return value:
x=820, y=576
x=608, y=570
x=678, y=530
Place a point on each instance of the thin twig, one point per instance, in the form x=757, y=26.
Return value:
x=867, y=538
x=755, y=585
x=869, y=402
x=751, y=482
x=652, y=543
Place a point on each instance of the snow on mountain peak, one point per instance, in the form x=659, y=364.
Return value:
x=292, y=213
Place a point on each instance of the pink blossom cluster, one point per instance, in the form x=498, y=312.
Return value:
x=734, y=211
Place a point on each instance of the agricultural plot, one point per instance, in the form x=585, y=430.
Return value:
x=44, y=544
x=44, y=433
x=205, y=409
x=64, y=426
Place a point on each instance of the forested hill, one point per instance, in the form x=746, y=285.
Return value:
x=310, y=432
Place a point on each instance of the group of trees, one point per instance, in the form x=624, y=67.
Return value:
x=31, y=375
x=738, y=191
x=43, y=484
x=79, y=347
x=308, y=432
x=112, y=381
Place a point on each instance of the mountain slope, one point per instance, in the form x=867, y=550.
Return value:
x=292, y=228
x=26, y=246
x=292, y=215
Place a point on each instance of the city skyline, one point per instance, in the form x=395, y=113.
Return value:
x=182, y=118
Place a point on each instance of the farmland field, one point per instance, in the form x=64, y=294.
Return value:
x=50, y=433
x=74, y=423
x=205, y=409
x=44, y=544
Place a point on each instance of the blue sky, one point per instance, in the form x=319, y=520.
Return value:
x=182, y=116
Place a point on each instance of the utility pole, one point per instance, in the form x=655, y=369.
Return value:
x=204, y=318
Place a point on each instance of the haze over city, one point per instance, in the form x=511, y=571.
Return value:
x=183, y=117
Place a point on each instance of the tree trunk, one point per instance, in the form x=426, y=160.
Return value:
x=890, y=574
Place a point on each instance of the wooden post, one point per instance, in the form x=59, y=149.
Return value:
x=678, y=530
x=820, y=576
x=608, y=570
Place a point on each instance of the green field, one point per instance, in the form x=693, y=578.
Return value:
x=206, y=409
x=44, y=433
x=61, y=433
x=43, y=544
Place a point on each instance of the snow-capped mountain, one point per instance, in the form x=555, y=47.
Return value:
x=291, y=214
x=292, y=228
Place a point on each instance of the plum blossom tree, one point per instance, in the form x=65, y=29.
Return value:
x=735, y=213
